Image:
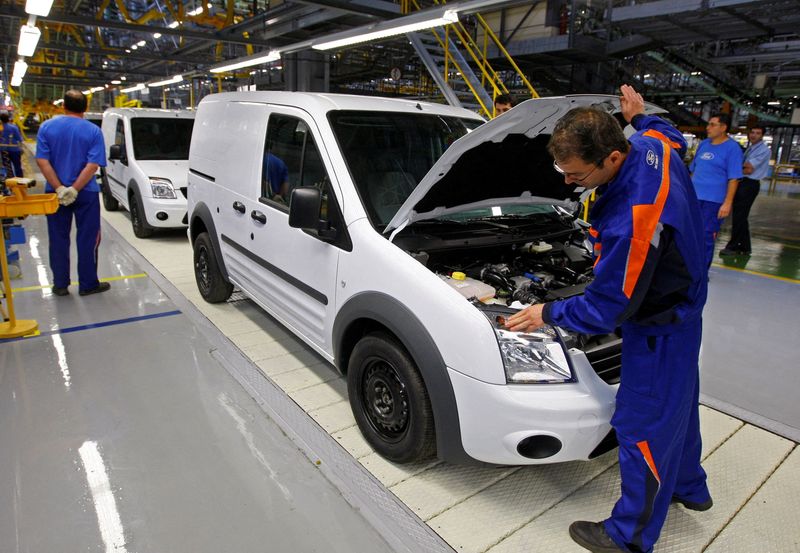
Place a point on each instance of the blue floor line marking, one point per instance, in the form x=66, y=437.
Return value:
x=95, y=325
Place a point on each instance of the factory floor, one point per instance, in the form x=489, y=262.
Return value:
x=146, y=420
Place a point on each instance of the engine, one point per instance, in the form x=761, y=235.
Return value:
x=528, y=273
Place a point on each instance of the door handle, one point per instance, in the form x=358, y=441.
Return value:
x=259, y=217
x=239, y=206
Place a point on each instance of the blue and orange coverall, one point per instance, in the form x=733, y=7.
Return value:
x=650, y=281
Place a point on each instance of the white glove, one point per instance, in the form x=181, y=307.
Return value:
x=66, y=195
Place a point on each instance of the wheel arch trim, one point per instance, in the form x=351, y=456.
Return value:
x=202, y=213
x=412, y=334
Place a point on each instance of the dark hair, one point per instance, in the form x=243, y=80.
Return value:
x=588, y=134
x=75, y=101
x=4, y=117
x=723, y=118
x=759, y=126
x=504, y=99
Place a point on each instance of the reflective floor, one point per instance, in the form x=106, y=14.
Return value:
x=121, y=432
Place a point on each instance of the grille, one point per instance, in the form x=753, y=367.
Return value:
x=606, y=360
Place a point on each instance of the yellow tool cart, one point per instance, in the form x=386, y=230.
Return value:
x=19, y=204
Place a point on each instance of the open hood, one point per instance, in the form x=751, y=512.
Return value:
x=502, y=162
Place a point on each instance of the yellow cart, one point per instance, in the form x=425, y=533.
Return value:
x=20, y=204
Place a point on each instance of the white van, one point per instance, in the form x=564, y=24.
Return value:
x=148, y=152
x=411, y=230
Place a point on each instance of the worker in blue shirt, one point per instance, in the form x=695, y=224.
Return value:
x=69, y=150
x=755, y=168
x=716, y=169
x=650, y=281
x=10, y=141
x=276, y=178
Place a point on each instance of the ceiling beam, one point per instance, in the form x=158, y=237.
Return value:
x=105, y=52
x=208, y=36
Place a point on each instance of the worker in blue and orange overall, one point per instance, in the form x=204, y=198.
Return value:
x=650, y=281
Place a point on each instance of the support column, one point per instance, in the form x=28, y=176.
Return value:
x=306, y=71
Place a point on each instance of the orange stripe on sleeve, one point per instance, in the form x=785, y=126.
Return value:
x=644, y=447
x=645, y=221
x=593, y=232
x=662, y=137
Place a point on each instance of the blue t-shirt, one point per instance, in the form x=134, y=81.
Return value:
x=276, y=172
x=69, y=143
x=713, y=166
x=10, y=138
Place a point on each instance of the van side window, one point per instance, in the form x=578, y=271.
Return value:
x=119, y=135
x=291, y=159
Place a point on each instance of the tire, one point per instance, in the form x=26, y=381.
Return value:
x=140, y=227
x=109, y=201
x=389, y=400
x=211, y=283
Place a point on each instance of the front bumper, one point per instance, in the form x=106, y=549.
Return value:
x=496, y=419
x=175, y=211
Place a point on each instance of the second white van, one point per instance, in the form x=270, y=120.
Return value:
x=148, y=153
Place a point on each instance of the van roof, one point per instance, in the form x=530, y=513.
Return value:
x=315, y=102
x=152, y=112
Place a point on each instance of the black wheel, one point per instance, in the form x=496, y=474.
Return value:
x=212, y=284
x=109, y=201
x=389, y=400
x=140, y=227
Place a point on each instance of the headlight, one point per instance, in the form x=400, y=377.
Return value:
x=535, y=357
x=162, y=188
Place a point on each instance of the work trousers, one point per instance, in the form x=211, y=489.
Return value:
x=709, y=212
x=742, y=202
x=14, y=165
x=658, y=429
x=86, y=211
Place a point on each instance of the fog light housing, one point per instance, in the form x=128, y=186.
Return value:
x=539, y=447
x=161, y=216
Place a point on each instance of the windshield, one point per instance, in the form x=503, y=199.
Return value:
x=389, y=153
x=161, y=138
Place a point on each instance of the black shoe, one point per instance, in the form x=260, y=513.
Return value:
x=593, y=536
x=60, y=291
x=692, y=506
x=102, y=287
x=726, y=252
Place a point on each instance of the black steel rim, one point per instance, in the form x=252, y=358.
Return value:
x=201, y=269
x=384, y=400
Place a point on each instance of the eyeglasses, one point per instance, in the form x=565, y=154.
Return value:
x=573, y=176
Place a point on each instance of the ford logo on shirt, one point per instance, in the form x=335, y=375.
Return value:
x=707, y=155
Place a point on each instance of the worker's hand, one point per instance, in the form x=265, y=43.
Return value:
x=527, y=320
x=630, y=102
x=724, y=210
x=66, y=195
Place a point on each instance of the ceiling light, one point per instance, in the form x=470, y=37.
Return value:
x=141, y=43
x=115, y=81
x=58, y=102
x=127, y=51
x=133, y=88
x=256, y=59
x=774, y=103
x=28, y=39
x=123, y=78
x=20, y=67
x=173, y=25
x=384, y=29
x=15, y=81
x=38, y=7
x=156, y=35
x=134, y=47
x=86, y=92
x=175, y=79
x=96, y=89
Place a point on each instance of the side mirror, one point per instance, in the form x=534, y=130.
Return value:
x=115, y=152
x=304, y=209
